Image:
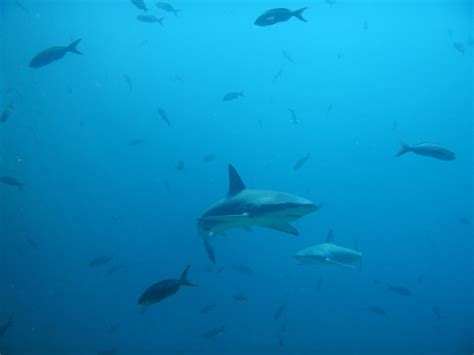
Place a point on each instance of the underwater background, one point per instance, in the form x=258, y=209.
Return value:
x=104, y=177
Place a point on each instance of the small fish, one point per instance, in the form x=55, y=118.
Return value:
x=232, y=96
x=318, y=285
x=100, y=261
x=329, y=111
x=135, y=142
x=366, y=25
x=142, y=43
x=150, y=19
x=164, y=289
x=243, y=269
x=107, y=352
x=31, y=242
x=52, y=54
x=277, y=76
x=115, y=268
x=6, y=113
x=287, y=56
x=300, y=162
x=180, y=166
x=419, y=279
x=22, y=7
x=6, y=326
x=140, y=4
x=400, y=290
x=213, y=332
x=436, y=310
x=164, y=116
x=377, y=310
x=429, y=150
x=207, y=308
x=459, y=46
x=280, y=340
x=464, y=220
x=240, y=298
x=279, y=312
x=294, y=119
x=11, y=181
x=209, y=158
x=274, y=16
x=114, y=328
x=331, y=2
x=167, y=7
x=128, y=81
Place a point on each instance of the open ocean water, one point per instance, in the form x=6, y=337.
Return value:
x=311, y=162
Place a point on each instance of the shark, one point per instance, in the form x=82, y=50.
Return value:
x=330, y=253
x=243, y=208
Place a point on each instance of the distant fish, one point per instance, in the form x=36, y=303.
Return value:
x=400, y=290
x=279, y=312
x=213, y=333
x=464, y=220
x=207, y=308
x=31, y=242
x=377, y=310
x=164, y=116
x=180, y=166
x=428, y=149
x=328, y=111
x=164, y=289
x=4, y=327
x=135, y=142
x=419, y=279
x=150, y=19
x=142, y=43
x=243, y=269
x=274, y=16
x=300, y=162
x=232, y=96
x=22, y=7
x=140, y=4
x=394, y=125
x=366, y=25
x=11, y=181
x=437, y=312
x=115, y=268
x=114, y=328
x=318, y=285
x=100, y=261
x=167, y=7
x=277, y=76
x=128, y=81
x=294, y=119
x=459, y=46
x=330, y=2
x=219, y=270
x=287, y=56
x=281, y=341
x=209, y=158
x=6, y=113
x=52, y=54
x=107, y=352
x=240, y=298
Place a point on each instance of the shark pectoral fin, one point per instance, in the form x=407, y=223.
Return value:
x=209, y=249
x=281, y=226
x=338, y=263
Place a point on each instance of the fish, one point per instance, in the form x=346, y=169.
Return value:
x=6, y=113
x=167, y=7
x=377, y=310
x=399, y=290
x=464, y=220
x=287, y=56
x=140, y=4
x=100, y=261
x=52, y=54
x=207, y=308
x=243, y=269
x=366, y=25
x=142, y=43
x=180, y=165
x=167, y=185
x=330, y=253
x=420, y=279
x=277, y=76
x=429, y=150
x=279, y=311
x=243, y=207
x=274, y=16
x=459, y=46
x=22, y=7
x=31, y=242
x=318, y=285
x=209, y=158
x=4, y=327
x=330, y=2
x=11, y=181
x=128, y=81
x=294, y=119
x=150, y=19
x=328, y=111
x=437, y=312
x=240, y=297
x=213, y=332
x=107, y=352
x=280, y=340
x=300, y=162
x=220, y=270
x=164, y=116
x=232, y=96
x=114, y=328
x=115, y=268
x=135, y=142
x=164, y=289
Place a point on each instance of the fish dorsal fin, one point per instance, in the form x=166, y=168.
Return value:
x=330, y=237
x=235, y=182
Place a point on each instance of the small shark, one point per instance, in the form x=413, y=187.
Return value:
x=243, y=207
x=330, y=253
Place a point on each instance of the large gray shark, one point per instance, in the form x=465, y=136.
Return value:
x=330, y=253
x=243, y=207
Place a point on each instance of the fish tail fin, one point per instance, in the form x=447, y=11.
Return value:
x=209, y=249
x=160, y=21
x=73, y=47
x=184, y=278
x=299, y=14
x=404, y=148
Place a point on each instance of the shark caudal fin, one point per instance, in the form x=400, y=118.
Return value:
x=209, y=249
x=184, y=278
x=235, y=182
x=330, y=237
x=299, y=14
x=73, y=47
x=404, y=148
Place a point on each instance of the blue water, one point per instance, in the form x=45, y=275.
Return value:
x=366, y=75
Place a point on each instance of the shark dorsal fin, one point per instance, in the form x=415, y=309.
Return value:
x=330, y=237
x=235, y=182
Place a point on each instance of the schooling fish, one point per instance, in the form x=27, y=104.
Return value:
x=213, y=332
x=275, y=16
x=429, y=150
x=52, y=54
x=150, y=19
x=300, y=162
x=167, y=7
x=11, y=181
x=164, y=289
x=400, y=290
x=164, y=116
x=140, y=4
x=232, y=96
x=377, y=310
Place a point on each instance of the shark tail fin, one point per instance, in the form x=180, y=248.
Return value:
x=404, y=148
x=73, y=47
x=184, y=278
x=299, y=14
x=209, y=249
x=360, y=259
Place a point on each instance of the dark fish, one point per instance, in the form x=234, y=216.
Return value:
x=115, y=268
x=279, y=312
x=400, y=290
x=163, y=289
x=318, y=285
x=22, y=7
x=207, y=308
x=180, y=165
x=31, y=242
x=240, y=298
x=287, y=56
x=142, y=43
x=280, y=340
x=4, y=327
x=150, y=19
x=277, y=76
x=464, y=220
x=274, y=16
x=436, y=310
x=167, y=7
x=366, y=25
x=128, y=81
x=377, y=310
x=114, y=328
x=328, y=111
x=100, y=261
x=213, y=332
x=429, y=150
x=459, y=47
x=107, y=352
x=294, y=119
x=209, y=158
x=135, y=142
x=243, y=269
x=140, y=4
x=300, y=162
x=6, y=113
x=164, y=116
x=232, y=96
x=11, y=181
x=220, y=270
x=51, y=54
x=420, y=279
